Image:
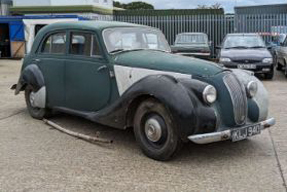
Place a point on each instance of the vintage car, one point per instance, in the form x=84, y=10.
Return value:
x=192, y=44
x=246, y=51
x=124, y=75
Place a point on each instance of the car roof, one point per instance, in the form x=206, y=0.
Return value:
x=191, y=33
x=243, y=34
x=88, y=25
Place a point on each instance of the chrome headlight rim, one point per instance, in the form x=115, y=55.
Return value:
x=209, y=94
x=252, y=89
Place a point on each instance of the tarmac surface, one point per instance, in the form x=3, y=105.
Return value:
x=35, y=157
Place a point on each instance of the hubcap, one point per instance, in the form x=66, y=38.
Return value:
x=153, y=130
x=32, y=99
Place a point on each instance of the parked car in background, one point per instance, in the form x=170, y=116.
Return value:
x=246, y=51
x=281, y=60
x=192, y=44
x=274, y=45
x=124, y=75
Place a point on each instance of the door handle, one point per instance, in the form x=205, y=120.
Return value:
x=102, y=68
x=36, y=60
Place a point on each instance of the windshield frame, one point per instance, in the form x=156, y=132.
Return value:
x=246, y=35
x=136, y=49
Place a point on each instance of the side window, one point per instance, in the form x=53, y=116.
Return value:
x=55, y=44
x=84, y=44
x=81, y=44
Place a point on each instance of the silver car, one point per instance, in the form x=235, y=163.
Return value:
x=282, y=56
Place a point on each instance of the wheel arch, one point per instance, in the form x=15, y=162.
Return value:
x=31, y=75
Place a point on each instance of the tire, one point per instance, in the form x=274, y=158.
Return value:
x=269, y=75
x=278, y=65
x=35, y=112
x=155, y=131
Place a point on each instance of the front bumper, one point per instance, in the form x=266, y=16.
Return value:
x=224, y=135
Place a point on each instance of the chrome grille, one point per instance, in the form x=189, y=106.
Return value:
x=238, y=97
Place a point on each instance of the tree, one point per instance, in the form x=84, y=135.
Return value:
x=137, y=5
x=215, y=6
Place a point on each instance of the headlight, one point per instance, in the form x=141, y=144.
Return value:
x=252, y=88
x=209, y=94
x=224, y=60
x=267, y=60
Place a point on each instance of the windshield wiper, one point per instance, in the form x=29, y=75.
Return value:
x=237, y=47
x=124, y=50
x=257, y=47
x=117, y=50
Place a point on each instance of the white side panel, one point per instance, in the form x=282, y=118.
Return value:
x=127, y=76
x=30, y=28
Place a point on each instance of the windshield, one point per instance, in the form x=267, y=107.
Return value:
x=240, y=41
x=191, y=39
x=134, y=38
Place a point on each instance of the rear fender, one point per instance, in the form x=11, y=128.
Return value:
x=33, y=76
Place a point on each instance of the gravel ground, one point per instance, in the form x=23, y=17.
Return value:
x=34, y=157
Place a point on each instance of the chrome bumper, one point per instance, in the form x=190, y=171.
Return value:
x=223, y=135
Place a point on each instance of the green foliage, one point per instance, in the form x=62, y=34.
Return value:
x=137, y=5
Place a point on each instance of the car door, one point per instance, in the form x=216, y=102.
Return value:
x=50, y=58
x=283, y=52
x=87, y=77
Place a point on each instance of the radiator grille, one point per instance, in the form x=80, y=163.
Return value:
x=238, y=97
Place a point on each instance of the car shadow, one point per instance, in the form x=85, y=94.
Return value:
x=123, y=140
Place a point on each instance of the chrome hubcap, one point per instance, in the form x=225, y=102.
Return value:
x=32, y=99
x=153, y=130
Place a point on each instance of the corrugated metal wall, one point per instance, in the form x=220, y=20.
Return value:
x=215, y=26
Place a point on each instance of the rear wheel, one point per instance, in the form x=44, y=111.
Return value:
x=155, y=131
x=35, y=112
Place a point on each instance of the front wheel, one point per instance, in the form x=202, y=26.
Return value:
x=155, y=130
x=35, y=112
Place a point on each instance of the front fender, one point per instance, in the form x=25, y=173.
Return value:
x=257, y=106
x=189, y=113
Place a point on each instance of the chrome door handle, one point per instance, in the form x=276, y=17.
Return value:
x=102, y=68
x=36, y=60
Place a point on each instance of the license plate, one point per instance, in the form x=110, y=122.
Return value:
x=246, y=66
x=243, y=133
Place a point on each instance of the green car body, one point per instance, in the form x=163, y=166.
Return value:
x=109, y=87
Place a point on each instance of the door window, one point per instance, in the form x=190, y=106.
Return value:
x=55, y=44
x=84, y=44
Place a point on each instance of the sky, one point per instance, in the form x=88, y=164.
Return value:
x=189, y=4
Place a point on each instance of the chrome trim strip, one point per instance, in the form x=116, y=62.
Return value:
x=224, y=135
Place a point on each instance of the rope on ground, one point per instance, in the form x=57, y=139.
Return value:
x=76, y=134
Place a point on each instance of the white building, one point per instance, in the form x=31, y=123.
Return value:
x=108, y=4
x=91, y=9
